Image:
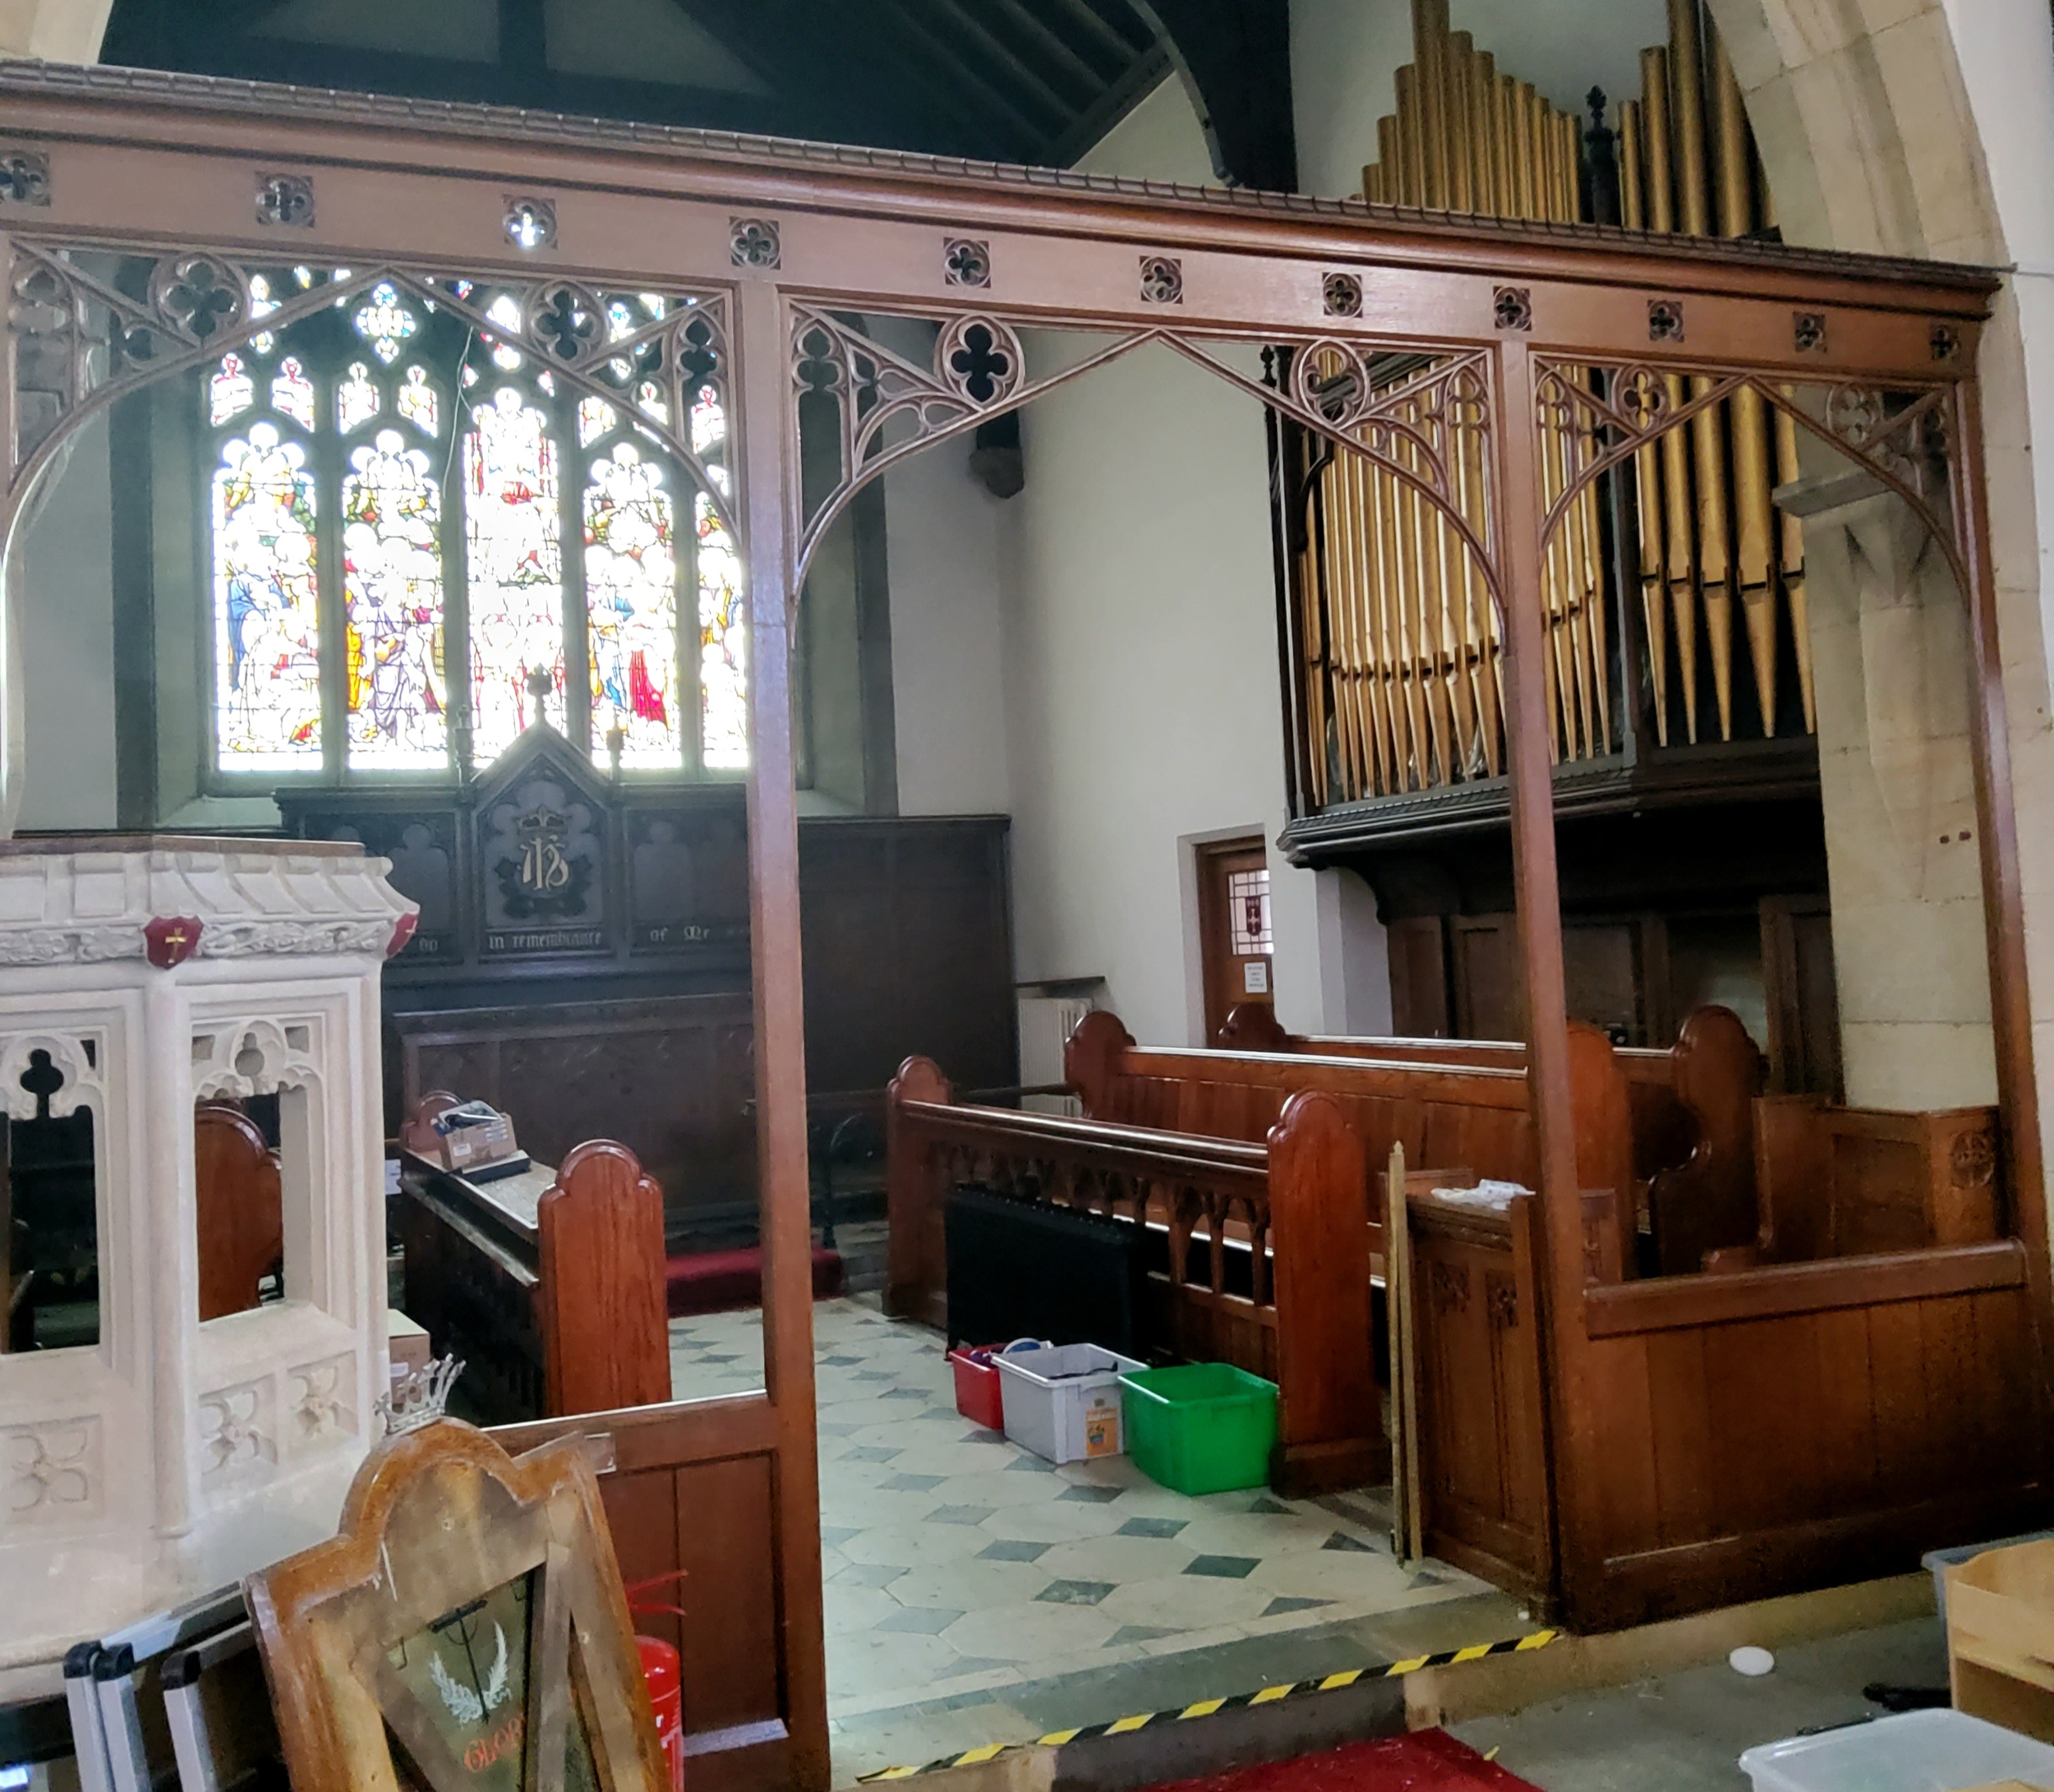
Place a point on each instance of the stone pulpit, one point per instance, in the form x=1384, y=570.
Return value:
x=158, y=995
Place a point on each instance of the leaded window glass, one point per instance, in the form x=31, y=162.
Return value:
x=410, y=513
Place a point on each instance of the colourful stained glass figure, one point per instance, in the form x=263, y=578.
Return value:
x=709, y=421
x=631, y=609
x=417, y=402
x=293, y=393
x=595, y=418
x=513, y=525
x=261, y=303
x=391, y=600
x=357, y=399
x=723, y=643
x=231, y=391
x=267, y=693
x=385, y=320
x=650, y=401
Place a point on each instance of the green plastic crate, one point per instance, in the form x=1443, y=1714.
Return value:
x=1202, y=1427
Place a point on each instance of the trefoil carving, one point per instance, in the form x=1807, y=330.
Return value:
x=1512, y=306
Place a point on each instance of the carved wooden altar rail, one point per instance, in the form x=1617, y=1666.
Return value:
x=1688, y=1106
x=1293, y=1211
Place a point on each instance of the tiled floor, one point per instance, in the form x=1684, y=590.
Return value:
x=976, y=1593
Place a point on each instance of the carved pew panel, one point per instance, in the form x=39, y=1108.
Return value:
x=1263, y=1263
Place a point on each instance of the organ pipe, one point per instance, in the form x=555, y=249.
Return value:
x=1407, y=646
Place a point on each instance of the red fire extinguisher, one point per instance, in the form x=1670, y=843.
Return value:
x=664, y=1673
x=661, y=1669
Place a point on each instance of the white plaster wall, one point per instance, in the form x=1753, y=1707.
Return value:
x=1344, y=54
x=68, y=616
x=1140, y=656
x=942, y=530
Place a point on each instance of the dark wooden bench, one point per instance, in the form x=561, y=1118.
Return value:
x=1290, y=1211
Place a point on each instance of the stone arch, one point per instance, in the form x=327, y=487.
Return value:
x=56, y=30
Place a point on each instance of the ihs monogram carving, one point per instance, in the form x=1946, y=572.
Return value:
x=1972, y=1159
x=52, y=1471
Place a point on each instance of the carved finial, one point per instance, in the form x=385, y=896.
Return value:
x=540, y=684
x=420, y=1398
x=616, y=744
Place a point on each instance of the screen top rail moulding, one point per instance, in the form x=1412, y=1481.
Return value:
x=432, y=181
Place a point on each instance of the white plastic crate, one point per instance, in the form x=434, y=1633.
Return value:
x=1064, y=1404
x=1931, y=1751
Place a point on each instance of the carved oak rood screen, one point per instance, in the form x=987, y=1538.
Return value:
x=1423, y=348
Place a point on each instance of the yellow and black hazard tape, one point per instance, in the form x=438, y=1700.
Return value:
x=1208, y=1708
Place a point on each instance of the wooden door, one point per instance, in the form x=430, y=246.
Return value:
x=1234, y=931
x=1803, y=998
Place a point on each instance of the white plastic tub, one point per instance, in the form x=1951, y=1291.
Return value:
x=1064, y=1404
x=1932, y=1751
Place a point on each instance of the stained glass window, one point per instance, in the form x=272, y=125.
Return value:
x=513, y=528
x=632, y=608
x=293, y=393
x=392, y=597
x=551, y=534
x=417, y=402
x=357, y=399
x=267, y=628
x=384, y=321
x=596, y=418
x=231, y=392
x=723, y=643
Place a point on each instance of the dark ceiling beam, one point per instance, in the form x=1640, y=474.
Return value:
x=1235, y=57
x=523, y=51
x=977, y=40
x=1144, y=76
x=820, y=85
x=958, y=78
x=1090, y=20
x=1089, y=78
x=849, y=86
x=430, y=77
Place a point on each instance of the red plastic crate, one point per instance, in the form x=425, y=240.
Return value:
x=977, y=1396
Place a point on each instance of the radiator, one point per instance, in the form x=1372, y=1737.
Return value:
x=1021, y=1269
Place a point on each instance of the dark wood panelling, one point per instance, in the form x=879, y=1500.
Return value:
x=670, y=1079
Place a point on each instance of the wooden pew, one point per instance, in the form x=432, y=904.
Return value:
x=1854, y=1182
x=1477, y=1311
x=549, y=1284
x=1468, y=1106
x=240, y=1211
x=1295, y=1202
x=1690, y=1109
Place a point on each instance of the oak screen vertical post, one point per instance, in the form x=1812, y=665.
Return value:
x=1537, y=893
x=769, y=496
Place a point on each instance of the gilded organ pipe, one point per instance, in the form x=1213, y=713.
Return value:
x=1409, y=647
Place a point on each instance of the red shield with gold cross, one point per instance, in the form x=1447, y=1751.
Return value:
x=171, y=939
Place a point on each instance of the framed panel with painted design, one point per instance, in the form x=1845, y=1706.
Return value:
x=467, y=1630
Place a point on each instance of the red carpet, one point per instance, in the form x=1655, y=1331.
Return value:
x=715, y=1281
x=1427, y=1760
